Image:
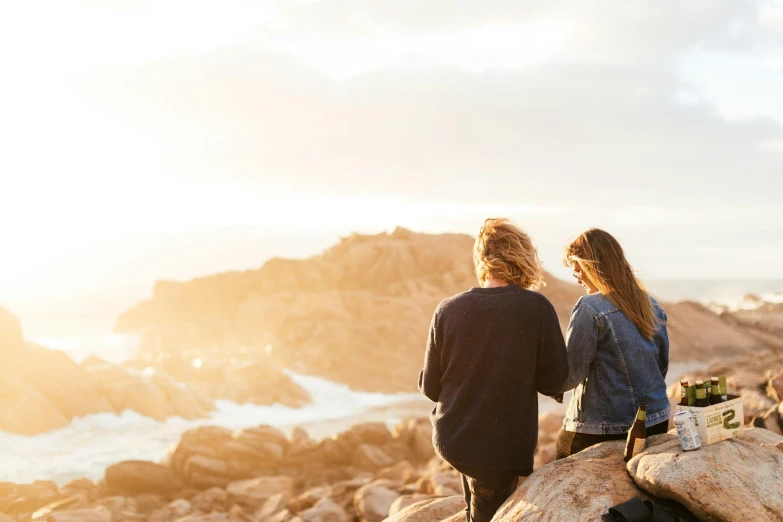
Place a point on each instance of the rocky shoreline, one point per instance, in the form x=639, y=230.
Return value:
x=369, y=473
x=44, y=389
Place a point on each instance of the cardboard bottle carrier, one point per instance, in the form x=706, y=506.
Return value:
x=719, y=421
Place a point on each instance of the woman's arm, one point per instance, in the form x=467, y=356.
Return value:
x=429, y=377
x=581, y=344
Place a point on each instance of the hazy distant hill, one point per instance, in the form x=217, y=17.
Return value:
x=359, y=312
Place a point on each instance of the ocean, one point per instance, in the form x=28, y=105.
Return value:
x=90, y=444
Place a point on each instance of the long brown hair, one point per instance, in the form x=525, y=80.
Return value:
x=505, y=252
x=602, y=260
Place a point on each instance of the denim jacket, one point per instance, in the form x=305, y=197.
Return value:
x=614, y=368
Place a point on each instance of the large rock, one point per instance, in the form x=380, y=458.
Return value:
x=273, y=506
x=25, y=411
x=408, y=500
x=373, y=501
x=58, y=378
x=126, y=388
x=99, y=514
x=186, y=401
x=417, y=435
x=430, y=510
x=581, y=487
x=324, y=511
x=135, y=477
x=371, y=458
x=733, y=479
x=252, y=494
x=775, y=385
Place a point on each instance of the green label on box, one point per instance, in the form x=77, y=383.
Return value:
x=728, y=416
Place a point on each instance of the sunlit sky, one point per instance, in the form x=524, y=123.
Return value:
x=159, y=139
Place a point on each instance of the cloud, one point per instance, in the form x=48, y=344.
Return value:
x=551, y=133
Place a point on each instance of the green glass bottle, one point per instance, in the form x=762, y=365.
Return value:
x=715, y=395
x=701, y=395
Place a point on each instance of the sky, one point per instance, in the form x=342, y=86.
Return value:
x=167, y=139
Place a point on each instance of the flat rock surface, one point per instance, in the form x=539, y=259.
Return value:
x=737, y=479
x=581, y=487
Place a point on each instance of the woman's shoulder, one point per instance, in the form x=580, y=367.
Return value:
x=596, y=303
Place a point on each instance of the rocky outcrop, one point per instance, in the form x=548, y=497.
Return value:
x=578, y=488
x=256, y=474
x=431, y=510
x=260, y=475
x=356, y=314
x=736, y=478
x=43, y=390
x=135, y=477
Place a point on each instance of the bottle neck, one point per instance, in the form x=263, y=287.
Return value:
x=701, y=393
x=641, y=415
x=715, y=389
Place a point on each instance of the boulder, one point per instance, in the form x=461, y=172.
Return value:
x=186, y=401
x=24, y=411
x=324, y=511
x=373, y=501
x=770, y=420
x=259, y=445
x=69, y=503
x=175, y=510
x=98, y=514
x=580, y=487
x=118, y=506
x=28, y=498
x=403, y=471
x=775, y=385
x=431, y=510
x=737, y=478
x=743, y=379
x=6, y=518
x=308, y=499
x=282, y=516
x=135, y=477
x=404, y=501
x=211, y=499
x=343, y=493
x=754, y=404
x=252, y=494
x=273, y=506
x=126, y=389
x=371, y=458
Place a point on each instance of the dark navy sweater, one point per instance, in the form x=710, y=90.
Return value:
x=489, y=351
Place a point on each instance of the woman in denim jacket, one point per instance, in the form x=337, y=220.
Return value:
x=618, y=348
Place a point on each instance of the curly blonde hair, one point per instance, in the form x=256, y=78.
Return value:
x=505, y=252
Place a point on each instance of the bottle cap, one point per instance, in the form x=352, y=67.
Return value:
x=699, y=383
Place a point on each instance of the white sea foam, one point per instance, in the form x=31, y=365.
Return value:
x=90, y=444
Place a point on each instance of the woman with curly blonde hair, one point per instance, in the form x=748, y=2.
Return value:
x=490, y=349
